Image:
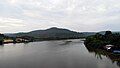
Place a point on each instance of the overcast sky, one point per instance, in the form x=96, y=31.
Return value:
x=77, y=15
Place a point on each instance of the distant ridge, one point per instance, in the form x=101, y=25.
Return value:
x=55, y=33
x=49, y=34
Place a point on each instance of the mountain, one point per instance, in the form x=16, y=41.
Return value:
x=88, y=33
x=49, y=34
x=103, y=32
x=93, y=33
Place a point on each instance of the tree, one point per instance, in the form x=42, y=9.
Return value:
x=1, y=39
x=107, y=33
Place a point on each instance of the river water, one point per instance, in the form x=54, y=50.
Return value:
x=52, y=54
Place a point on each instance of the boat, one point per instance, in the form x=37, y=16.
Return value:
x=116, y=51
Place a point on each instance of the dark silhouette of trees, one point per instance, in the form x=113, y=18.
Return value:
x=1, y=39
x=107, y=33
x=99, y=40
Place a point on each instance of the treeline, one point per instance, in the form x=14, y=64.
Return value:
x=1, y=39
x=99, y=40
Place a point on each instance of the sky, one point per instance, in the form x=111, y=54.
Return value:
x=76, y=15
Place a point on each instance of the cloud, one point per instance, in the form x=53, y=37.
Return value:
x=11, y=22
x=78, y=15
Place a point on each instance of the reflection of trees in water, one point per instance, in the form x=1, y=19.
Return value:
x=118, y=63
x=66, y=42
x=1, y=46
x=115, y=58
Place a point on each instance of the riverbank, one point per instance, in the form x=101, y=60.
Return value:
x=109, y=42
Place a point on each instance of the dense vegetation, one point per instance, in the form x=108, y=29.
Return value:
x=1, y=39
x=99, y=40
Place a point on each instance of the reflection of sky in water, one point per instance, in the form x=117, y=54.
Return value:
x=50, y=54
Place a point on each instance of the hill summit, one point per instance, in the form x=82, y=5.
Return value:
x=53, y=33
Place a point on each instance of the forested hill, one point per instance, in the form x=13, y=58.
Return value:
x=51, y=33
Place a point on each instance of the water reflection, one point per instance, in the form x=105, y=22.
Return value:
x=1, y=46
x=99, y=54
x=52, y=54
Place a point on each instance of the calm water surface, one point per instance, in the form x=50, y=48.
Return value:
x=52, y=54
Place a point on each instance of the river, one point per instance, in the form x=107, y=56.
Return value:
x=52, y=54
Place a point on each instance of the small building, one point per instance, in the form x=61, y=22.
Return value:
x=8, y=41
x=21, y=39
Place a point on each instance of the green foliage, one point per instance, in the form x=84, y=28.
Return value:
x=95, y=41
x=1, y=39
x=98, y=40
